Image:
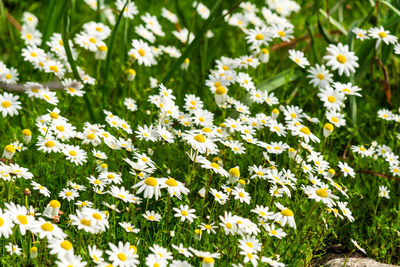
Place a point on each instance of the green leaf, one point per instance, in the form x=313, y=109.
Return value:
x=65, y=38
x=391, y=7
x=334, y=22
x=109, y=52
x=280, y=79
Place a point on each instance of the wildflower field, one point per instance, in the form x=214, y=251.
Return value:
x=199, y=133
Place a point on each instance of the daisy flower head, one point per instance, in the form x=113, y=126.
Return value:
x=358, y=246
x=142, y=52
x=75, y=154
x=340, y=58
x=320, y=193
x=320, y=76
x=299, y=58
x=346, y=169
x=151, y=216
x=258, y=37
x=130, y=9
x=383, y=191
x=380, y=34
x=9, y=104
x=360, y=34
x=332, y=98
x=122, y=255
x=285, y=216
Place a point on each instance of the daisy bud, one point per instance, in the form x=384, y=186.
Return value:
x=185, y=65
x=131, y=74
x=54, y=115
x=207, y=262
x=197, y=234
x=241, y=183
x=331, y=173
x=234, y=174
x=275, y=113
x=264, y=55
x=202, y=192
x=9, y=152
x=33, y=252
x=26, y=192
x=328, y=129
x=292, y=152
x=53, y=207
x=220, y=95
x=172, y=233
x=101, y=52
x=27, y=135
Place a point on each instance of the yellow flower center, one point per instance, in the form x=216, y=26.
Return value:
x=55, y=203
x=320, y=76
x=184, y=213
x=6, y=104
x=10, y=148
x=121, y=256
x=331, y=99
x=85, y=222
x=151, y=218
x=208, y=260
x=66, y=245
x=282, y=33
x=54, y=68
x=382, y=34
x=228, y=225
x=341, y=58
x=249, y=244
x=305, y=130
x=151, y=181
x=328, y=127
x=214, y=165
x=273, y=232
x=287, y=212
x=200, y=138
x=234, y=172
x=141, y=52
x=259, y=37
x=68, y=194
x=48, y=227
x=27, y=132
x=92, y=40
x=322, y=192
x=220, y=90
x=171, y=182
x=97, y=216
x=72, y=153
x=49, y=144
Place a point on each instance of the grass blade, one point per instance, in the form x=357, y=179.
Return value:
x=280, y=79
x=334, y=22
x=65, y=38
x=109, y=52
x=199, y=36
x=391, y=7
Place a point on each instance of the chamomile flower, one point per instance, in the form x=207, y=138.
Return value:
x=128, y=227
x=44, y=229
x=380, y=34
x=360, y=34
x=285, y=216
x=184, y=213
x=142, y=52
x=346, y=169
x=151, y=216
x=340, y=58
x=182, y=250
x=320, y=76
x=122, y=255
x=75, y=154
x=299, y=58
x=9, y=104
x=383, y=191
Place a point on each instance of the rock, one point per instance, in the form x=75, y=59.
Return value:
x=355, y=262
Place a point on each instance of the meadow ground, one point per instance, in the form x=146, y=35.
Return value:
x=185, y=133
